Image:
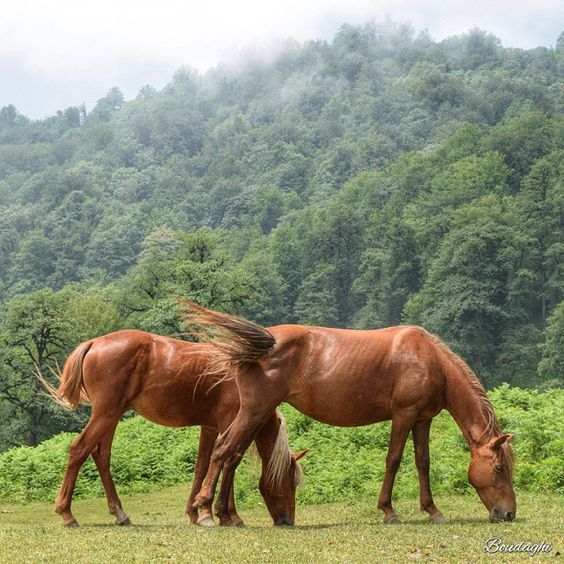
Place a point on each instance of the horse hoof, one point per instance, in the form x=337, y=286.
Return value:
x=123, y=522
x=437, y=518
x=230, y=523
x=121, y=517
x=391, y=520
x=71, y=523
x=206, y=522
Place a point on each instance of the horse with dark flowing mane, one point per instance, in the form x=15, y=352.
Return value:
x=161, y=379
x=349, y=378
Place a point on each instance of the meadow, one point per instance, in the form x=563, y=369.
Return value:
x=335, y=532
x=337, y=519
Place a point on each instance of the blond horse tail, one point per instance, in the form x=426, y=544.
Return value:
x=234, y=343
x=71, y=390
x=245, y=341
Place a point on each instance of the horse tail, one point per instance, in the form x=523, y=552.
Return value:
x=71, y=391
x=238, y=341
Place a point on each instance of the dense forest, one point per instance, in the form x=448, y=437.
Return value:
x=377, y=179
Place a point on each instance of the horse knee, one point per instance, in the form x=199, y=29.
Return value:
x=423, y=464
x=393, y=463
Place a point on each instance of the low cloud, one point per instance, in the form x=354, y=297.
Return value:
x=60, y=53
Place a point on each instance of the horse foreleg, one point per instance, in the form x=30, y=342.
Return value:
x=205, y=449
x=101, y=455
x=421, y=447
x=402, y=424
x=225, y=503
x=236, y=521
x=80, y=448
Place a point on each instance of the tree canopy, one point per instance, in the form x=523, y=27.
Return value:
x=377, y=179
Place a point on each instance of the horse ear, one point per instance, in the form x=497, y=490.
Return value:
x=300, y=454
x=498, y=441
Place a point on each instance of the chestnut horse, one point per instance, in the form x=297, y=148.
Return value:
x=349, y=378
x=161, y=379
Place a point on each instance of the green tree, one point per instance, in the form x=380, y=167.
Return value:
x=465, y=294
x=551, y=366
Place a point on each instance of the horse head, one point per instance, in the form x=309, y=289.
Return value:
x=490, y=472
x=279, y=489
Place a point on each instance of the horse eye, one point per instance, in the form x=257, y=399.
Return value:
x=498, y=468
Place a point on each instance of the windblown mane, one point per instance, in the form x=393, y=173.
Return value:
x=493, y=428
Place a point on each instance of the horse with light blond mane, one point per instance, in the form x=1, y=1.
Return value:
x=162, y=379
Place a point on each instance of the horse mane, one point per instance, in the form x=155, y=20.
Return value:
x=281, y=459
x=493, y=428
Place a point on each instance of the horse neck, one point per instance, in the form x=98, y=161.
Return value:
x=466, y=406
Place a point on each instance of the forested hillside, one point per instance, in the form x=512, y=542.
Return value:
x=378, y=179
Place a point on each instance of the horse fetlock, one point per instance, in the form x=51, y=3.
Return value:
x=236, y=521
x=202, y=499
x=191, y=511
x=428, y=505
x=385, y=505
x=224, y=520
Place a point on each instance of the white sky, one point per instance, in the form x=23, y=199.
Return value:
x=58, y=53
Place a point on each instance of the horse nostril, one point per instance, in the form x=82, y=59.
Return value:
x=283, y=522
x=509, y=516
x=495, y=515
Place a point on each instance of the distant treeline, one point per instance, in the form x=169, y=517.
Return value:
x=379, y=179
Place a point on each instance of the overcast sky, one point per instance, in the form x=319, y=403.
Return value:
x=60, y=53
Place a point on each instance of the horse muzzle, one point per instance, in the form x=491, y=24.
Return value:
x=284, y=522
x=496, y=515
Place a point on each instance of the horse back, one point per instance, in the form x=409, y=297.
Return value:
x=162, y=378
x=355, y=377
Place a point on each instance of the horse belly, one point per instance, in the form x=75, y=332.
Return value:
x=348, y=405
x=169, y=406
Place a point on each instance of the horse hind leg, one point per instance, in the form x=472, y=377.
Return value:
x=228, y=452
x=101, y=455
x=421, y=447
x=80, y=448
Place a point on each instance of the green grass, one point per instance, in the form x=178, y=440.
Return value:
x=338, y=532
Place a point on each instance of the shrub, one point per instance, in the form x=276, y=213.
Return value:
x=344, y=463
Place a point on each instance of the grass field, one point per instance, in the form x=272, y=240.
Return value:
x=324, y=533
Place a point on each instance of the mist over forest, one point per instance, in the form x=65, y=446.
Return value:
x=377, y=179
